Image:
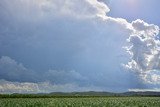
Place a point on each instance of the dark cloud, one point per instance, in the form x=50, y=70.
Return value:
x=13, y=71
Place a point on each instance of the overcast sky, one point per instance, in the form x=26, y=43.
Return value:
x=79, y=45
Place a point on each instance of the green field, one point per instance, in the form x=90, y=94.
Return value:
x=82, y=102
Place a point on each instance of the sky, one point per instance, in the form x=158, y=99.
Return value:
x=79, y=45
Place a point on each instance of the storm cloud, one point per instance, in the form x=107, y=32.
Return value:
x=61, y=43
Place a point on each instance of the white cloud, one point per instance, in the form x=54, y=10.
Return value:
x=40, y=9
x=144, y=90
x=16, y=87
x=41, y=87
x=144, y=28
x=145, y=52
x=77, y=8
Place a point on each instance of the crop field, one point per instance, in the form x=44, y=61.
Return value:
x=82, y=102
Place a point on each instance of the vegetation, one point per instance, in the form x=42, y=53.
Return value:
x=82, y=99
x=82, y=102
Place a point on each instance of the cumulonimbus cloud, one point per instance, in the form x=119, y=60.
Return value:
x=139, y=37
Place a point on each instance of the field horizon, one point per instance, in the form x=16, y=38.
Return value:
x=82, y=94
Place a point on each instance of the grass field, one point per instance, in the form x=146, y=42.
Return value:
x=82, y=102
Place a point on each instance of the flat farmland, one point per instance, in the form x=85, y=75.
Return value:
x=82, y=102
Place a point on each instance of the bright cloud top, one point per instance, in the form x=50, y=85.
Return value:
x=145, y=52
x=39, y=9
